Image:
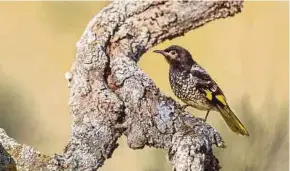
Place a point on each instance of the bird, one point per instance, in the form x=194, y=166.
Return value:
x=194, y=86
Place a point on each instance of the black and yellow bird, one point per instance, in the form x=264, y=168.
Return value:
x=193, y=85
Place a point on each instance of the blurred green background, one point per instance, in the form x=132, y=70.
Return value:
x=247, y=55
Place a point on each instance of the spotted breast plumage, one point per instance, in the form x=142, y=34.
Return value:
x=184, y=86
x=194, y=86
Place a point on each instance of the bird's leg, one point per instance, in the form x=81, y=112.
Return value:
x=206, y=115
x=184, y=106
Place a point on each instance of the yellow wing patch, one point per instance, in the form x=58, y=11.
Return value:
x=208, y=94
x=222, y=99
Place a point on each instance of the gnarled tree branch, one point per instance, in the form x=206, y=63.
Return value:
x=111, y=96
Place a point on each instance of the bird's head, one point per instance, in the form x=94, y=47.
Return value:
x=177, y=56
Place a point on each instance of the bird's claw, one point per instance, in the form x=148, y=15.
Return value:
x=184, y=107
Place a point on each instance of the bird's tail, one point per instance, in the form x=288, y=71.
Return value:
x=232, y=120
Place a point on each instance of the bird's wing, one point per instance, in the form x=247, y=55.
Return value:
x=214, y=94
x=208, y=86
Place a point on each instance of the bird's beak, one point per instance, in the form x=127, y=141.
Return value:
x=160, y=51
x=164, y=53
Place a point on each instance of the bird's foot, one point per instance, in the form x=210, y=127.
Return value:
x=184, y=107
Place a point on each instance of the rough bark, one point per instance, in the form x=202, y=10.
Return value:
x=111, y=96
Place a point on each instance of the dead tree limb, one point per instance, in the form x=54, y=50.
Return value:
x=111, y=96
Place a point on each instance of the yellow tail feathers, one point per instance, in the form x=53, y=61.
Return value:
x=232, y=121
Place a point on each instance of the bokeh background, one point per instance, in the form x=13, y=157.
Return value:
x=247, y=55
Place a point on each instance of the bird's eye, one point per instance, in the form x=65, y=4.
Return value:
x=173, y=52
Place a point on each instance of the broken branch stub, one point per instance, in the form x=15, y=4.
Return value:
x=111, y=96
